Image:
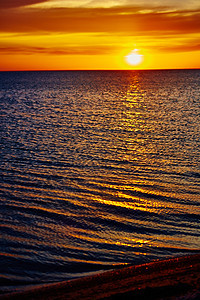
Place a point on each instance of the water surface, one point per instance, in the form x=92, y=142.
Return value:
x=98, y=169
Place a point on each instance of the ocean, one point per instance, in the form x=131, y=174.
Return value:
x=99, y=169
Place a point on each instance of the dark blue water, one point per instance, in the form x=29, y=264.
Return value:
x=98, y=169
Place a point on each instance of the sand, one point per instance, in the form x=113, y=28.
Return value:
x=175, y=278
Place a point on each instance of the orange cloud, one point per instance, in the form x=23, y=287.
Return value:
x=121, y=20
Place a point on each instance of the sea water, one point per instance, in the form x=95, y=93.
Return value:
x=98, y=169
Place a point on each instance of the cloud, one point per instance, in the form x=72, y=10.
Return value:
x=4, y=4
x=190, y=46
x=124, y=20
x=70, y=50
x=114, y=3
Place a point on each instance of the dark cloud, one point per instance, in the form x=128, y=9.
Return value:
x=185, y=47
x=70, y=50
x=4, y=4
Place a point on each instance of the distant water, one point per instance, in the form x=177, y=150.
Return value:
x=98, y=169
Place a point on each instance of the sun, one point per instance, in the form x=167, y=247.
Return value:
x=134, y=58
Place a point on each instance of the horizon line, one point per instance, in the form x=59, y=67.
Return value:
x=78, y=70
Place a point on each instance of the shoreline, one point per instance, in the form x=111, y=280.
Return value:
x=174, y=278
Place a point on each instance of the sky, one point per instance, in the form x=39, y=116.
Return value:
x=99, y=34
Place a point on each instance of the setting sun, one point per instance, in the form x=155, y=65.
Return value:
x=134, y=58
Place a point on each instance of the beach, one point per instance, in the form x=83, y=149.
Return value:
x=174, y=278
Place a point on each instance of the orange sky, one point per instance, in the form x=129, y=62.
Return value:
x=83, y=34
